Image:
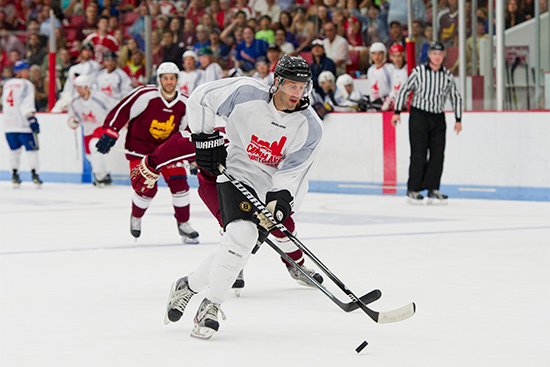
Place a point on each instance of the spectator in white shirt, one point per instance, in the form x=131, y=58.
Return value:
x=336, y=48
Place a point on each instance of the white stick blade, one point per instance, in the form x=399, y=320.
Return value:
x=400, y=314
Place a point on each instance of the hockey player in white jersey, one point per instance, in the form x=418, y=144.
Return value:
x=20, y=124
x=398, y=77
x=190, y=77
x=111, y=80
x=274, y=137
x=87, y=66
x=89, y=110
x=379, y=75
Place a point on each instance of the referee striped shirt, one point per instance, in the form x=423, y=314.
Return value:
x=431, y=89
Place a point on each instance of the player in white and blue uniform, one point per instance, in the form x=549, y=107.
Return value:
x=20, y=124
x=89, y=110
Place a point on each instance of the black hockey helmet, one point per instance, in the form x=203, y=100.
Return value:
x=436, y=46
x=293, y=68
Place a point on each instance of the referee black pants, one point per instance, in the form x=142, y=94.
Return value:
x=427, y=138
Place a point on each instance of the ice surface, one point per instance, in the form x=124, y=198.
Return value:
x=77, y=290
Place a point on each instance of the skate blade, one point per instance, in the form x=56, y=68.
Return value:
x=202, y=332
x=415, y=202
x=190, y=241
x=16, y=185
x=238, y=292
x=437, y=202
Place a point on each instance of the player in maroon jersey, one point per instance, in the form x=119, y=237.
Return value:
x=153, y=115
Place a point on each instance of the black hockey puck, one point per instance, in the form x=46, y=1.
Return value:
x=361, y=347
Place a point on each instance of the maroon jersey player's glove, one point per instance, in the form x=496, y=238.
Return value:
x=107, y=140
x=143, y=176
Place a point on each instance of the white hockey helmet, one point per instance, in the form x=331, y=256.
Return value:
x=190, y=53
x=167, y=68
x=326, y=76
x=83, y=81
x=341, y=83
x=378, y=47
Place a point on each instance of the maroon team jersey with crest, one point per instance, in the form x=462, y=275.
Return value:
x=151, y=119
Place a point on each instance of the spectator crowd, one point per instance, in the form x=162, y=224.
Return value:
x=214, y=39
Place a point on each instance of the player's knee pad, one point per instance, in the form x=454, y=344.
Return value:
x=286, y=244
x=142, y=201
x=240, y=238
x=180, y=199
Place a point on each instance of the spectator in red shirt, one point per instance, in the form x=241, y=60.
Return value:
x=102, y=40
x=188, y=37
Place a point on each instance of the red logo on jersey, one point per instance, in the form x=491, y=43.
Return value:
x=397, y=86
x=265, y=152
x=88, y=117
x=107, y=90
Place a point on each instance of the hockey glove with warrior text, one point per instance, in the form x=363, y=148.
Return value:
x=143, y=176
x=209, y=151
x=107, y=140
x=33, y=122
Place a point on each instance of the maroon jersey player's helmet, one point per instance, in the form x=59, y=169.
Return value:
x=167, y=68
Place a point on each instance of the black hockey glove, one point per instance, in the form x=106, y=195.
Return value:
x=279, y=203
x=33, y=123
x=107, y=140
x=209, y=151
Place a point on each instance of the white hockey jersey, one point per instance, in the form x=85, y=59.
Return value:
x=116, y=84
x=212, y=72
x=268, y=149
x=90, y=67
x=17, y=105
x=188, y=81
x=91, y=112
x=380, y=80
x=267, y=80
x=398, y=79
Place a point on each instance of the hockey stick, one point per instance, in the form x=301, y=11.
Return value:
x=508, y=91
x=379, y=317
x=347, y=307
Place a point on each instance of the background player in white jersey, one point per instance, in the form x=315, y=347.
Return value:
x=20, y=124
x=274, y=138
x=398, y=77
x=111, y=80
x=262, y=71
x=379, y=75
x=346, y=95
x=190, y=77
x=87, y=66
x=212, y=70
x=89, y=110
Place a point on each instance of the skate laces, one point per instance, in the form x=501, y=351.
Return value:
x=181, y=298
x=296, y=274
x=186, y=228
x=135, y=222
x=210, y=311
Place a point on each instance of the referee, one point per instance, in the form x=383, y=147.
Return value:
x=431, y=83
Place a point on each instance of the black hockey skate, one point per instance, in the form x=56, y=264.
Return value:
x=106, y=181
x=15, y=179
x=135, y=226
x=435, y=197
x=238, y=285
x=35, y=179
x=303, y=280
x=414, y=198
x=187, y=233
x=179, y=297
x=206, y=320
